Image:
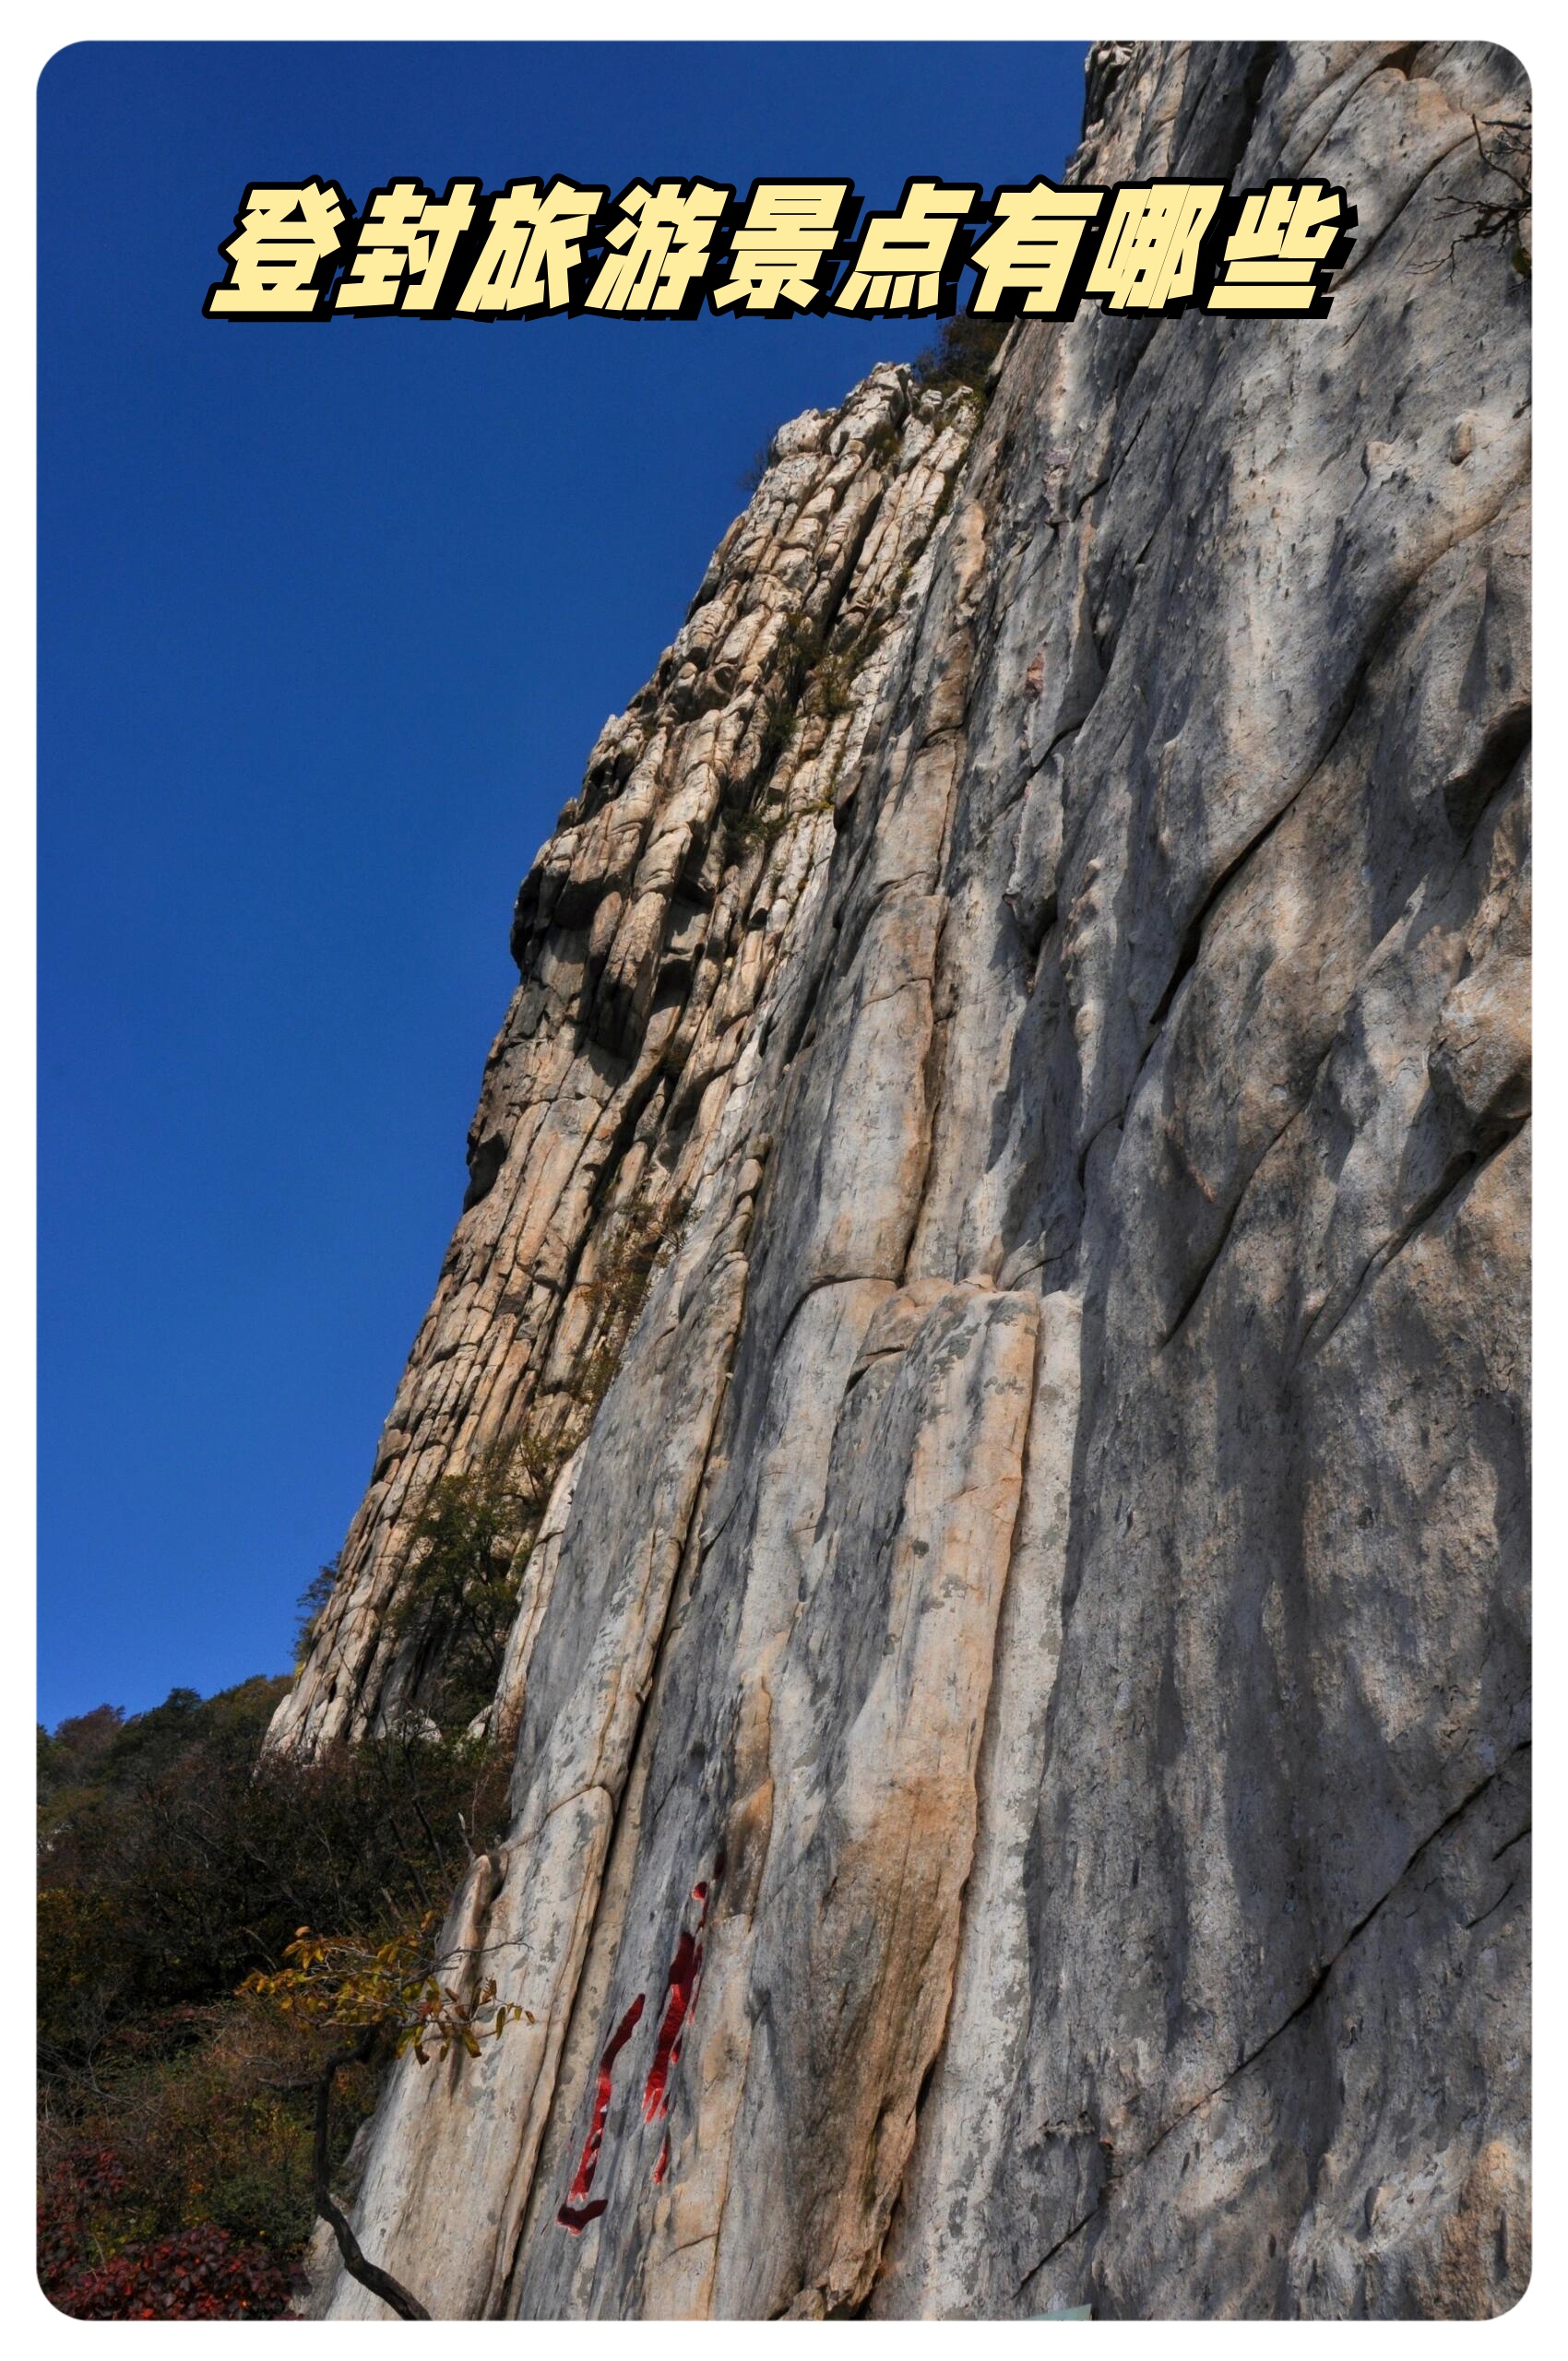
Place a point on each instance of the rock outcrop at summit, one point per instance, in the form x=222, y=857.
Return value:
x=998, y=1215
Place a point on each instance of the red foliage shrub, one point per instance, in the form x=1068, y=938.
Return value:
x=83, y=2183
x=196, y=2274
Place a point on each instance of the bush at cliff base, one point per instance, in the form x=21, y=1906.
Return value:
x=175, y=2115
x=202, y=2274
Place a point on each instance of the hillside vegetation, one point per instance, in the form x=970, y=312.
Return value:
x=175, y=2109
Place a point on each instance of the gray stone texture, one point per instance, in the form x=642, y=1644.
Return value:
x=1050, y=1560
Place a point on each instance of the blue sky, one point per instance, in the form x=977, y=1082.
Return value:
x=328, y=620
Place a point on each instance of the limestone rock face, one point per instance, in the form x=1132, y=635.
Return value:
x=1000, y=1205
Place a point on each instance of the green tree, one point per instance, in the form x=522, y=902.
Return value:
x=458, y=1599
x=963, y=354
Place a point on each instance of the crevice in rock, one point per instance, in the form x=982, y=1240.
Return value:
x=1467, y=798
x=1204, y=1270
x=485, y=1159
x=1191, y=939
x=1314, y=1990
x=508, y=2274
x=1460, y=1176
x=1121, y=2173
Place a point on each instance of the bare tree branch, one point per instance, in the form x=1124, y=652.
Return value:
x=380, y=2283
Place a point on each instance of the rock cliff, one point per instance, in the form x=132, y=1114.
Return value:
x=998, y=1217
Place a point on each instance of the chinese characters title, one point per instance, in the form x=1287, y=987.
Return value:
x=672, y=248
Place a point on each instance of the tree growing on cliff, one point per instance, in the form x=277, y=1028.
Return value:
x=394, y=1996
x=312, y=1603
x=458, y=1600
x=1505, y=214
x=963, y=354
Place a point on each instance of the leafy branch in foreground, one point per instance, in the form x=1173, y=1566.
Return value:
x=394, y=1988
x=391, y=1994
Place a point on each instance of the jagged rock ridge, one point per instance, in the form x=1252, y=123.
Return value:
x=1020, y=1696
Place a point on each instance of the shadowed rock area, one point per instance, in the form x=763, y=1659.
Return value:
x=1000, y=1205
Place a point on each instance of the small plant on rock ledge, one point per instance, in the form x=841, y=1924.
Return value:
x=467, y=1552
x=746, y=825
x=634, y=1250
x=962, y=354
x=779, y=713
x=832, y=691
x=629, y=1263
x=883, y=448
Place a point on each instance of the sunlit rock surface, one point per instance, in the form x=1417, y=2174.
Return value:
x=1020, y=1696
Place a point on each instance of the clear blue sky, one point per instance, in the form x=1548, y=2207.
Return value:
x=329, y=618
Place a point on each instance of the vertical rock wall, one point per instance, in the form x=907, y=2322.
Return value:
x=1020, y=1696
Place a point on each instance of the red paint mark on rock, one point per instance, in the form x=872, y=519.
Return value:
x=684, y=1970
x=680, y=1998
x=576, y=2213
